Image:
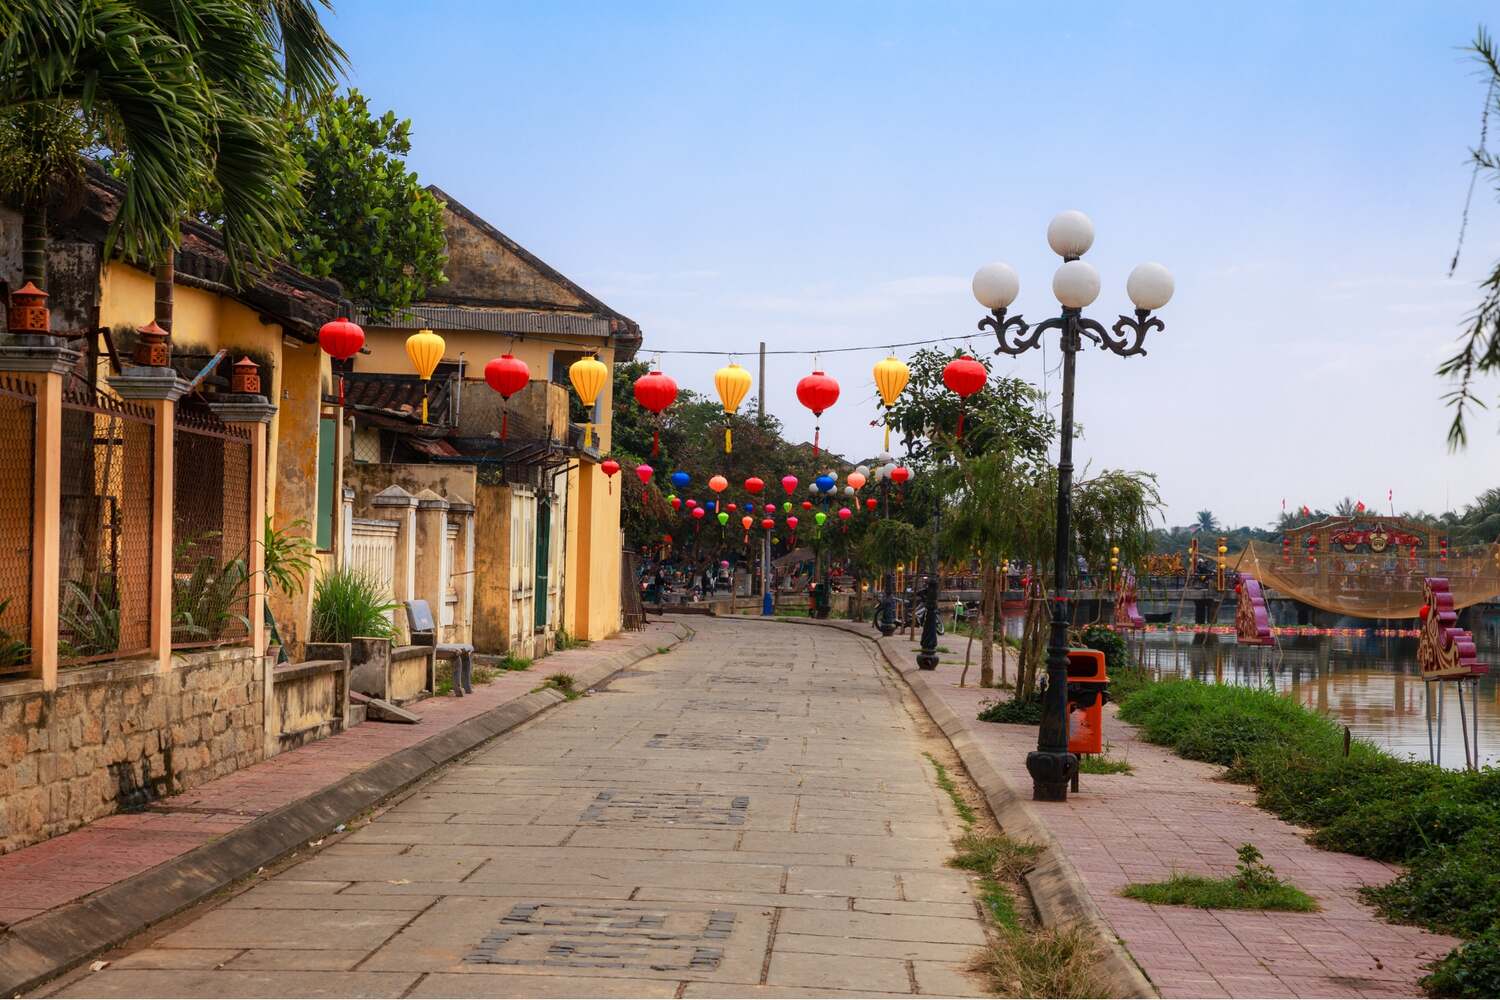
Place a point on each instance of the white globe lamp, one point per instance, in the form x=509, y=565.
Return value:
x=1150, y=286
x=996, y=285
x=1076, y=284
x=1070, y=234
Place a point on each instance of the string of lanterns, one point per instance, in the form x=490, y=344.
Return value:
x=656, y=392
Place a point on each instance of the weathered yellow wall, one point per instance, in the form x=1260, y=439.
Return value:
x=591, y=584
x=492, y=505
x=293, y=382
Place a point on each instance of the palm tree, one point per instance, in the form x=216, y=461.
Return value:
x=1206, y=521
x=192, y=97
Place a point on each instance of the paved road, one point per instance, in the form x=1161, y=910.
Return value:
x=749, y=815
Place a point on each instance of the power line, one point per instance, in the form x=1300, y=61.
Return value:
x=885, y=346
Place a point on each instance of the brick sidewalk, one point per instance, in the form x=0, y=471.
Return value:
x=1176, y=815
x=114, y=848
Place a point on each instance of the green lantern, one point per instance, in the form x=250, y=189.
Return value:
x=723, y=517
x=820, y=517
x=786, y=507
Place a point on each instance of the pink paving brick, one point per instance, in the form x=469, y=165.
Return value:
x=1179, y=815
x=114, y=848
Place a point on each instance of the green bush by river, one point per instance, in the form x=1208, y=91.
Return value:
x=1444, y=826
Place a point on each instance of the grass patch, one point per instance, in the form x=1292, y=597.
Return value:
x=663, y=649
x=510, y=662
x=561, y=683
x=566, y=641
x=1043, y=962
x=443, y=676
x=1442, y=825
x=1253, y=886
x=965, y=811
x=993, y=854
x=1098, y=763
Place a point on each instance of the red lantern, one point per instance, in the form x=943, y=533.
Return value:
x=754, y=485
x=817, y=392
x=611, y=469
x=342, y=340
x=807, y=505
x=676, y=503
x=789, y=483
x=964, y=376
x=900, y=474
x=791, y=522
x=767, y=523
x=870, y=503
x=655, y=392
x=691, y=504
x=698, y=513
x=644, y=473
x=507, y=375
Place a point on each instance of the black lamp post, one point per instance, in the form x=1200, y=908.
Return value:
x=1076, y=285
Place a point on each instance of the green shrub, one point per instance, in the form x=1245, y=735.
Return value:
x=1470, y=970
x=1443, y=825
x=1013, y=711
x=348, y=603
x=13, y=651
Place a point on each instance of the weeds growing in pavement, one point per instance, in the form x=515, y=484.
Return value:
x=1253, y=886
x=663, y=649
x=1043, y=962
x=965, y=811
x=1441, y=825
x=1103, y=763
x=1012, y=711
x=562, y=684
x=513, y=662
x=1021, y=960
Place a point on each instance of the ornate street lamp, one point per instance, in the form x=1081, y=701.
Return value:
x=1076, y=285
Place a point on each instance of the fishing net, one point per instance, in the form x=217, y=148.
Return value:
x=1370, y=567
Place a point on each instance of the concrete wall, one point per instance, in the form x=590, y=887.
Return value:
x=123, y=735
x=452, y=482
x=309, y=700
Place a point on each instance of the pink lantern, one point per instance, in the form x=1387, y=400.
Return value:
x=698, y=512
x=691, y=504
x=845, y=513
x=789, y=483
x=644, y=473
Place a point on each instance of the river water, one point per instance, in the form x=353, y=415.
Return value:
x=1371, y=685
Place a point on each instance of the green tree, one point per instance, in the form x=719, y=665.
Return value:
x=1007, y=412
x=1206, y=521
x=1479, y=350
x=369, y=222
x=193, y=100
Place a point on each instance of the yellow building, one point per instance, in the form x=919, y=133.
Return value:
x=546, y=521
x=132, y=646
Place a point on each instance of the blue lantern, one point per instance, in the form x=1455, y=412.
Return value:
x=825, y=483
x=710, y=506
x=681, y=479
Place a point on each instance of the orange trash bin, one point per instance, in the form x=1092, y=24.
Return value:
x=1088, y=686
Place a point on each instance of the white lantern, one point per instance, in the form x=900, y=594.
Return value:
x=1150, y=286
x=1076, y=284
x=996, y=285
x=1070, y=234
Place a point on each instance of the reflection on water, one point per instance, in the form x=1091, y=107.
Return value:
x=1371, y=685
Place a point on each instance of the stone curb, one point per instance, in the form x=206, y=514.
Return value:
x=49, y=944
x=1057, y=889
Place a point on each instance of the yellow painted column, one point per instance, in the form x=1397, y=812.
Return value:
x=45, y=367
x=158, y=389
x=45, y=525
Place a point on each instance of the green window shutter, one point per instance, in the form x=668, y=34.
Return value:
x=326, y=441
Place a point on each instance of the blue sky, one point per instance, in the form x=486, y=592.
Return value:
x=832, y=174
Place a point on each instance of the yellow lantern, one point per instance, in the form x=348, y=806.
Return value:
x=587, y=375
x=732, y=382
x=425, y=349
x=891, y=376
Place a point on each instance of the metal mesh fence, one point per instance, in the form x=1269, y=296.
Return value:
x=210, y=530
x=17, y=471
x=632, y=612
x=108, y=472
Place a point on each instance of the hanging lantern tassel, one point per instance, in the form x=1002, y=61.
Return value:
x=960, y=434
x=504, y=421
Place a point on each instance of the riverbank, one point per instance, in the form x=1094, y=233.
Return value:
x=1442, y=826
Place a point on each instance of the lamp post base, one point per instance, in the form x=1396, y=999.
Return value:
x=927, y=661
x=1051, y=773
